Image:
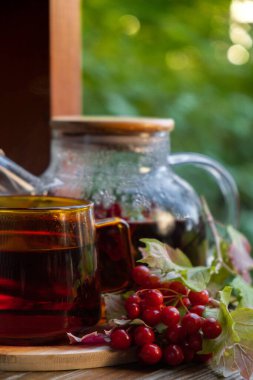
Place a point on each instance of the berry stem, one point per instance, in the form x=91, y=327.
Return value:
x=170, y=290
x=182, y=304
x=217, y=238
x=214, y=231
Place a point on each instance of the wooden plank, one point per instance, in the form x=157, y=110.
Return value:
x=123, y=372
x=57, y=358
x=65, y=57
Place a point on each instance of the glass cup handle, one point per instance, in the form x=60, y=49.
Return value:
x=223, y=178
x=116, y=262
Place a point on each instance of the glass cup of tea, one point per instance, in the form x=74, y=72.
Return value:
x=50, y=267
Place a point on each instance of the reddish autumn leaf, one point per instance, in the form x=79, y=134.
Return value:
x=239, y=253
x=91, y=339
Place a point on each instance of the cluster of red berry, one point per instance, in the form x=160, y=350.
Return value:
x=178, y=309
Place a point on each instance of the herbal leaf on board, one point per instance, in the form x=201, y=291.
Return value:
x=93, y=338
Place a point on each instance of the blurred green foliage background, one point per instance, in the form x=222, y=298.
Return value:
x=170, y=59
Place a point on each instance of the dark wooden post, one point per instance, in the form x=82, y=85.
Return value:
x=33, y=34
x=24, y=82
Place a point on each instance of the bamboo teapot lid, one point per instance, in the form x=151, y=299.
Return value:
x=111, y=124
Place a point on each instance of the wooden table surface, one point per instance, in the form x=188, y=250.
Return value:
x=124, y=372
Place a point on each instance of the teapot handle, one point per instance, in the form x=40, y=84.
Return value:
x=20, y=181
x=222, y=177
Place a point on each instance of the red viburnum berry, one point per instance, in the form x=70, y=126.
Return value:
x=120, y=339
x=133, y=310
x=175, y=334
x=150, y=353
x=195, y=342
x=202, y=358
x=170, y=315
x=188, y=354
x=198, y=309
x=140, y=274
x=152, y=298
x=151, y=282
x=199, y=298
x=173, y=355
x=151, y=316
x=191, y=323
x=134, y=298
x=143, y=335
x=178, y=287
x=184, y=302
x=211, y=328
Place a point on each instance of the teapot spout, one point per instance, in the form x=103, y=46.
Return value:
x=16, y=180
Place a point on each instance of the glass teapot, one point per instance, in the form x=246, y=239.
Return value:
x=124, y=165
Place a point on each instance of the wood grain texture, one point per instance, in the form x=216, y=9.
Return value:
x=55, y=358
x=65, y=57
x=123, y=372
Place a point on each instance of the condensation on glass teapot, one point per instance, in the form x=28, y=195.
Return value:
x=124, y=165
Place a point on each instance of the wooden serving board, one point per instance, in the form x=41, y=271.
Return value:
x=59, y=358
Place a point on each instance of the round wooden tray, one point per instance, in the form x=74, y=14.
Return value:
x=58, y=358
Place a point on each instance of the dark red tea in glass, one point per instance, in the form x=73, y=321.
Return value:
x=49, y=270
x=179, y=233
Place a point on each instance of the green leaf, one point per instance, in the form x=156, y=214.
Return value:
x=126, y=322
x=160, y=328
x=178, y=257
x=244, y=291
x=174, y=264
x=232, y=350
x=225, y=295
x=155, y=255
x=218, y=280
x=127, y=294
x=243, y=319
x=228, y=336
x=138, y=321
x=161, y=256
x=197, y=278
